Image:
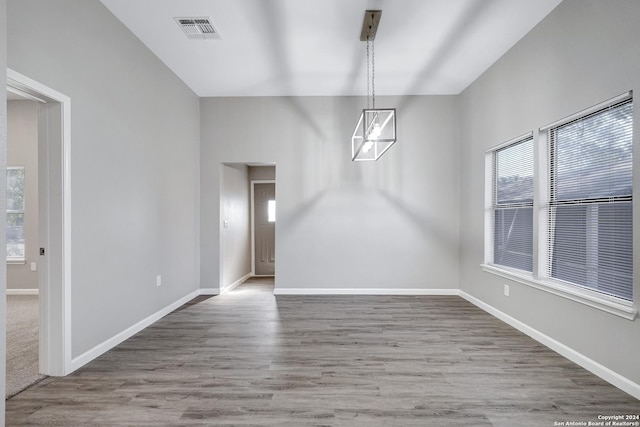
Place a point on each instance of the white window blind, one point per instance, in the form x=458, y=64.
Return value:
x=513, y=205
x=590, y=207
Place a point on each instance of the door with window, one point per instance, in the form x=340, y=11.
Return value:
x=264, y=202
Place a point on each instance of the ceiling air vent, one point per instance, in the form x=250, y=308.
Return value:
x=198, y=28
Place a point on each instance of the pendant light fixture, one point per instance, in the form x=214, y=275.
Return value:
x=375, y=130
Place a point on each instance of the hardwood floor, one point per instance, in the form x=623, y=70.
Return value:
x=249, y=358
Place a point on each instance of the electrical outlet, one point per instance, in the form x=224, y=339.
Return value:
x=506, y=290
x=159, y=280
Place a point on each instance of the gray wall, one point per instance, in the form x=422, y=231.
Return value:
x=389, y=224
x=583, y=53
x=236, y=237
x=134, y=162
x=22, y=150
x=3, y=196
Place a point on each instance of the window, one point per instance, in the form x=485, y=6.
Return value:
x=512, y=204
x=15, y=214
x=559, y=213
x=271, y=211
x=590, y=194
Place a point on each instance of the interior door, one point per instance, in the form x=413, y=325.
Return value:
x=264, y=202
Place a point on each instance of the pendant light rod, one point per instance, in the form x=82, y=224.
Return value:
x=370, y=25
x=375, y=131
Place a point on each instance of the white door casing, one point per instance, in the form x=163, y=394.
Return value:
x=54, y=198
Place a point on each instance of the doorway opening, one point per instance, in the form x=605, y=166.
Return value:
x=22, y=243
x=263, y=227
x=243, y=234
x=54, y=222
x=247, y=229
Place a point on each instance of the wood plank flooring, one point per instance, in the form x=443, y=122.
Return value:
x=249, y=358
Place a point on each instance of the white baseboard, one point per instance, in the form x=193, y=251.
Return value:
x=235, y=284
x=362, y=291
x=107, y=345
x=590, y=365
x=23, y=291
x=209, y=291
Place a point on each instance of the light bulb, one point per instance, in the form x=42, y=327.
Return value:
x=367, y=146
x=376, y=130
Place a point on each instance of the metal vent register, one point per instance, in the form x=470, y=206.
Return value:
x=198, y=28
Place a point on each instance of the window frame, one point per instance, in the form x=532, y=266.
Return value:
x=494, y=204
x=538, y=278
x=554, y=200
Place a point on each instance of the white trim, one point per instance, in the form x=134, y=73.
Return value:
x=55, y=339
x=235, y=284
x=253, y=224
x=587, y=111
x=590, y=365
x=23, y=291
x=510, y=142
x=488, y=207
x=110, y=343
x=362, y=291
x=16, y=261
x=209, y=291
x=611, y=305
x=24, y=94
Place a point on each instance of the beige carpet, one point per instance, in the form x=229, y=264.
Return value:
x=22, y=343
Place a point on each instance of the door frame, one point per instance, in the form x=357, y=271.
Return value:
x=54, y=220
x=253, y=224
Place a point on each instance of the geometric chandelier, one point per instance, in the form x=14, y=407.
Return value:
x=375, y=130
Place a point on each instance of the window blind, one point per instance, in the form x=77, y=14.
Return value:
x=513, y=205
x=590, y=207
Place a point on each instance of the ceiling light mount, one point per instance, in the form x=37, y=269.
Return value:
x=375, y=130
x=370, y=25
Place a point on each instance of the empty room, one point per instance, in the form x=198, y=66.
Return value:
x=289, y=213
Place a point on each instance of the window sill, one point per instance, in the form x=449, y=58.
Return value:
x=611, y=305
x=16, y=261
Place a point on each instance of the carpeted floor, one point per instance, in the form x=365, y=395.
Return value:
x=22, y=343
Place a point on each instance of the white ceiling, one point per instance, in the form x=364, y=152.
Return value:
x=304, y=47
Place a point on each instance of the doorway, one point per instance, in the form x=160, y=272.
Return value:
x=263, y=227
x=22, y=243
x=54, y=222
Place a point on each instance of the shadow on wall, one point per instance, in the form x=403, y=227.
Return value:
x=353, y=207
x=428, y=226
x=448, y=46
x=280, y=60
